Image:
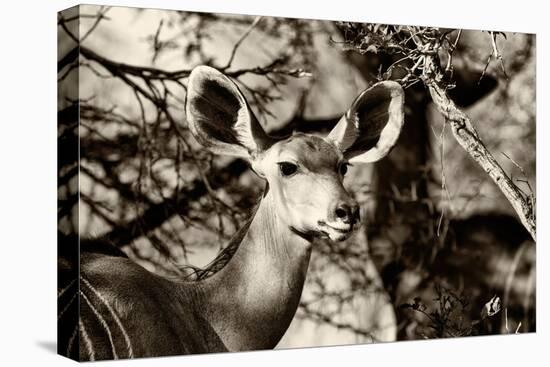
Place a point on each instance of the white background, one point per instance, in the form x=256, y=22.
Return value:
x=28, y=182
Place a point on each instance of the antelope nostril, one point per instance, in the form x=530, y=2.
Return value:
x=342, y=211
x=347, y=212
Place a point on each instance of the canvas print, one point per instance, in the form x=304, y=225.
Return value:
x=238, y=182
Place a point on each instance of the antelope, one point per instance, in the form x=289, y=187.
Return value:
x=128, y=312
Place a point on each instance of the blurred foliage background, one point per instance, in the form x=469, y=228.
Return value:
x=438, y=240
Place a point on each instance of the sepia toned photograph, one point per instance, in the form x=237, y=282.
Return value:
x=238, y=182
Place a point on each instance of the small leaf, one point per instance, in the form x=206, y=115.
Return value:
x=491, y=308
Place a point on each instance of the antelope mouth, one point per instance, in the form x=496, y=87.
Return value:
x=336, y=232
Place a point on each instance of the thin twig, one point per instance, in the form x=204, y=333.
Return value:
x=238, y=43
x=99, y=17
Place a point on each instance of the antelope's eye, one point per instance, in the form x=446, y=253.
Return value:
x=287, y=168
x=343, y=168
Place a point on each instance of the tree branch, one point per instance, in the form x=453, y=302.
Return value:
x=467, y=136
x=155, y=215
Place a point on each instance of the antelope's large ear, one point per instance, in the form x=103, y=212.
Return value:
x=370, y=128
x=219, y=116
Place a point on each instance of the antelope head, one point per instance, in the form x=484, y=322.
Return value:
x=304, y=172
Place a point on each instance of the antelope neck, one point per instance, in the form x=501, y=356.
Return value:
x=251, y=301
